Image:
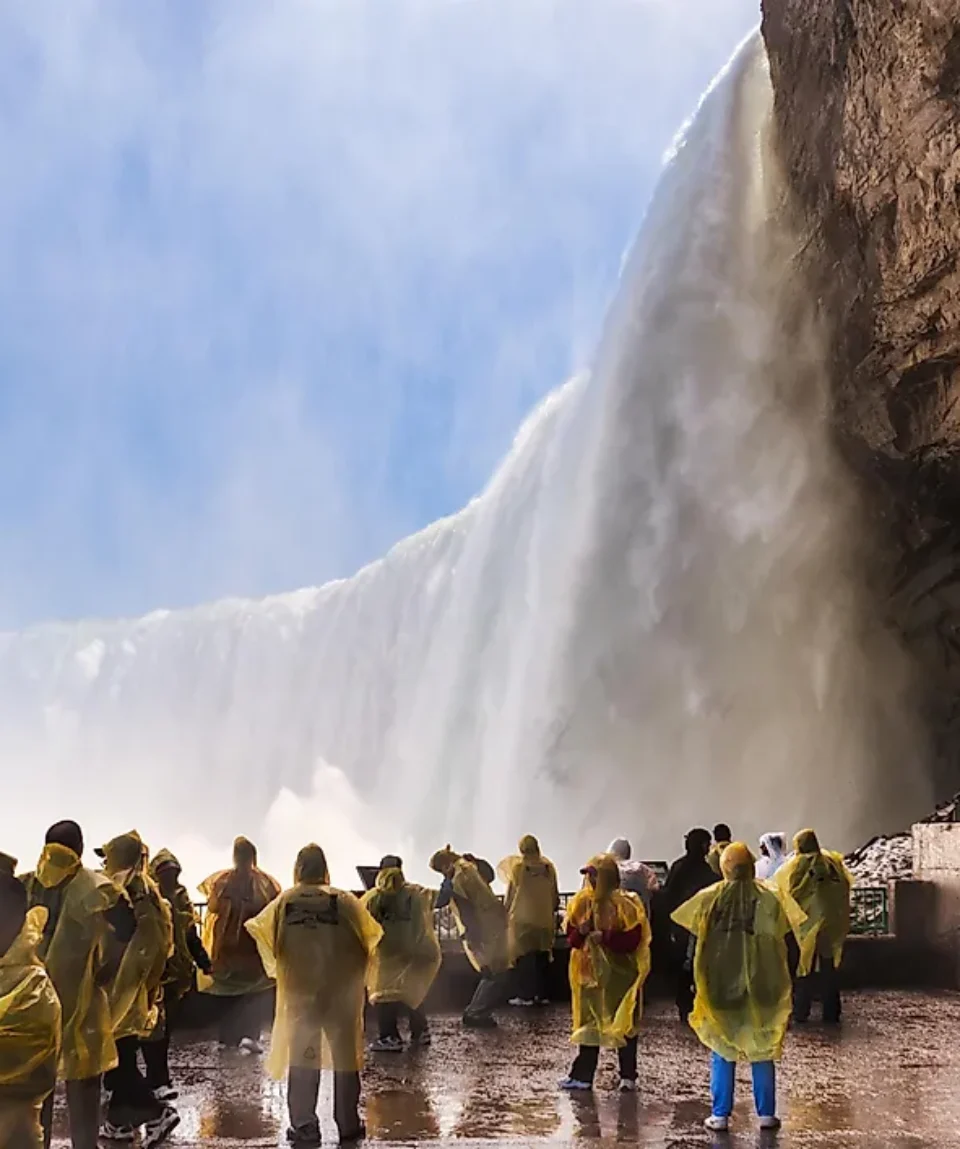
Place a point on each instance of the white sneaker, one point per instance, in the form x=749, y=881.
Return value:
x=627, y=1085
x=573, y=1085
x=248, y=1046
x=522, y=1002
x=166, y=1093
x=770, y=1122
x=717, y=1124
x=156, y=1131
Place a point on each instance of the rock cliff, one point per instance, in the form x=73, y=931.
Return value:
x=868, y=107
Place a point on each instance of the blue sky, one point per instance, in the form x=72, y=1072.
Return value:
x=279, y=279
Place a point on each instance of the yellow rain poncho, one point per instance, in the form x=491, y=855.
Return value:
x=135, y=991
x=479, y=913
x=180, y=974
x=316, y=941
x=29, y=1034
x=819, y=882
x=234, y=897
x=744, y=993
x=407, y=959
x=532, y=900
x=606, y=980
x=73, y=949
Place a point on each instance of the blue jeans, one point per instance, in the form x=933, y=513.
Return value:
x=723, y=1075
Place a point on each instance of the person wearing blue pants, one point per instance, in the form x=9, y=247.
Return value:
x=723, y=1076
x=742, y=979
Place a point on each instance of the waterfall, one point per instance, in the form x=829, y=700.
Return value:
x=650, y=619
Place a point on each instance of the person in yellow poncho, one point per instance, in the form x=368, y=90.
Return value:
x=743, y=999
x=73, y=945
x=317, y=942
x=407, y=959
x=820, y=883
x=180, y=975
x=138, y=954
x=482, y=924
x=30, y=1023
x=609, y=938
x=233, y=898
x=531, y=903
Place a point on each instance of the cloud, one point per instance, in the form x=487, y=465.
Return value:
x=280, y=280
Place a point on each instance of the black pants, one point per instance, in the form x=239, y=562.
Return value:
x=684, y=952
x=131, y=1098
x=585, y=1065
x=303, y=1089
x=156, y=1051
x=531, y=976
x=389, y=1014
x=241, y=1018
x=83, y=1110
x=822, y=977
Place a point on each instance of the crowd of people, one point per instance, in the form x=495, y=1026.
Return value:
x=95, y=965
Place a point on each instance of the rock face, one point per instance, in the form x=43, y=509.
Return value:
x=868, y=107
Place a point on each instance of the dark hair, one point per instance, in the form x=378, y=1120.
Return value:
x=721, y=832
x=66, y=834
x=697, y=841
x=391, y=862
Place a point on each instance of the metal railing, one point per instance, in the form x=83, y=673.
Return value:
x=869, y=914
x=870, y=911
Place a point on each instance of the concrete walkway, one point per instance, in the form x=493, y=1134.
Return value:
x=889, y=1078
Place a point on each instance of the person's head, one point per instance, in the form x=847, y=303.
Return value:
x=13, y=910
x=529, y=846
x=621, y=849
x=737, y=863
x=66, y=834
x=602, y=875
x=391, y=862
x=244, y=854
x=390, y=877
x=444, y=861
x=125, y=852
x=697, y=843
x=772, y=845
x=311, y=867
x=806, y=842
x=722, y=833
x=8, y=864
x=484, y=869
x=166, y=870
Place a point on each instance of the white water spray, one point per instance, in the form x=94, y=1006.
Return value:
x=650, y=619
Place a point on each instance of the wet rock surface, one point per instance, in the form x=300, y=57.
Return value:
x=889, y=1078
x=869, y=130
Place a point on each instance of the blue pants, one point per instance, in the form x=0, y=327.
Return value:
x=723, y=1075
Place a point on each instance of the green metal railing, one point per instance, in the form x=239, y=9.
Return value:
x=869, y=914
x=870, y=911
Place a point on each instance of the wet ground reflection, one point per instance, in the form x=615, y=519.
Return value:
x=890, y=1079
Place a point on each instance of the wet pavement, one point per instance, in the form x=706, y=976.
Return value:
x=889, y=1078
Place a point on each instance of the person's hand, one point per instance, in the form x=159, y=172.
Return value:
x=595, y=936
x=585, y=928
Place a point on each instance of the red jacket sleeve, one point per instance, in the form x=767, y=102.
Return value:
x=623, y=941
x=575, y=939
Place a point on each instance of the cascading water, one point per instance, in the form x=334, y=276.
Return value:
x=650, y=619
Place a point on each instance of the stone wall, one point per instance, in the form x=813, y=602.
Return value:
x=868, y=104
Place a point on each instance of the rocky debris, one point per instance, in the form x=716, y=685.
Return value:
x=946, y=811
x=882, y=860
x=867, y=99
